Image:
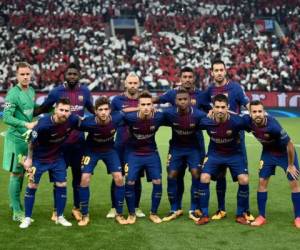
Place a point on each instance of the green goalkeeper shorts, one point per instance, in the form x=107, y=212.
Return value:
x=13, y=149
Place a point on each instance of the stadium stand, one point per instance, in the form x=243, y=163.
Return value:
x=50, y=34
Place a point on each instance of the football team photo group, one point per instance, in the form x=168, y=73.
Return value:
x=70, y=130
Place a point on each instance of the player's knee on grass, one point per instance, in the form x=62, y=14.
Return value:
x=61, y=184
x=173, y=174
x=243, y=179
x=294, y=186
x=156, y=181
x=118, y=178
x=263, y=185
x=205, y=178
x=85, y=180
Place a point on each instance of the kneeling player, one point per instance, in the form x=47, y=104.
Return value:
x=143, y=154
x=99, y=146
x=224, y=149
x=45, y=154
x=278, y=150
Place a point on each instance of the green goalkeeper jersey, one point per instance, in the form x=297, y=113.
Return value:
x=18, y=110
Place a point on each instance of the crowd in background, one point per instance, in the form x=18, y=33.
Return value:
x=51, y=34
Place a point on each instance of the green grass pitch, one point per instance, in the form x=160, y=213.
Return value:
x=102, y=233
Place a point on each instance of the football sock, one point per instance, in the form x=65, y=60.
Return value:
x=180, y=189
x=172, y=193
x=14, y=191
x=156, y=197
x=242, y=199
x=61, y=198
x=296, y=203
x=119, y=198
x=29, y=201
x=204, y=197
x=138, y=192
x=130, y=198
x=221, y=191
x=84, y=194
x=195, y=194
x=261, y=202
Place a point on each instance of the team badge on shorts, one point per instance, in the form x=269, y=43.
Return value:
x=267, y=135
x=261, y=164
x=80, y=98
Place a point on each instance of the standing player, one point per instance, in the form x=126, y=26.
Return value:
x=45, y=154
x=237, y=99
x=225, y=149
x=99, y=145
x=80, y=98
x=18, y=114
x=142, y=154
x=126, y=102
x=187, y=80
x=278, y=150
x=185, y=122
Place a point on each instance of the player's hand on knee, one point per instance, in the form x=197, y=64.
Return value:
x=294, y=172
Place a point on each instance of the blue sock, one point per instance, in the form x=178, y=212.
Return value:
x=84, y=194
x=221, y=191
x=76, y=198
x=119, y=198
x=180, y=189
x=29, y=201
x=172, y=193
x=112, y=193
x=138, y=192
x=242, y=199
x=156, y=197
x=261, y=203
x=296, y=203
x=204, y=197
x=195, y=197
x=61, y=198
x=130, y=198
x=54, y=200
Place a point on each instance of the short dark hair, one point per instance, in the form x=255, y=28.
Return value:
x=23, y=65
x=217, y=61
x=145, y=94
x=220, y=98
x=182, y=90
x=63, y=100
x=73, y=66
x=255, y=103
x=186, y=69
x=102, y=100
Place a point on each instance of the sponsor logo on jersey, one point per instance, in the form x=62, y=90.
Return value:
x=229, y=132
x=80, y=98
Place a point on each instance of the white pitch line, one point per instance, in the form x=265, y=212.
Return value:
x=3, y=133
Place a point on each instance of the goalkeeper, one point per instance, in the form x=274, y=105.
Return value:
x=18, y=114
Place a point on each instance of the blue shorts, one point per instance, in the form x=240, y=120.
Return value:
x=178, y=159
x=110, y=158
x=123, y=156
x=57, y=170
x=150, y=163
x=268, y=163
x=213, y=164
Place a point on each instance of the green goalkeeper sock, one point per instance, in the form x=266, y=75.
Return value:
x=14, y=190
